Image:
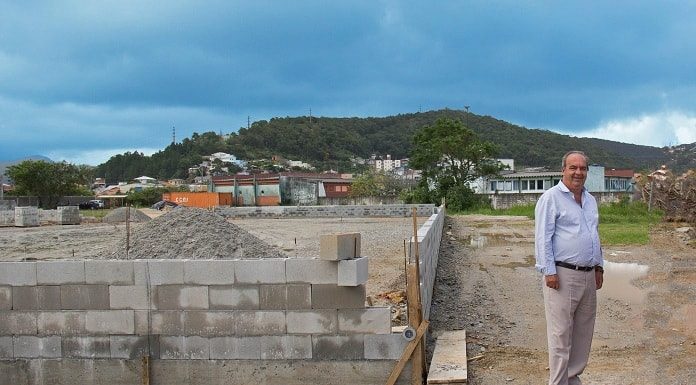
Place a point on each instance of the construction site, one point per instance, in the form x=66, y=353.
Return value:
x=320, y=295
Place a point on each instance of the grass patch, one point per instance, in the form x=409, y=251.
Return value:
x=99, y=214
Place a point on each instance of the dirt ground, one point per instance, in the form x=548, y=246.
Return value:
x=646, y=323
x=486, y=284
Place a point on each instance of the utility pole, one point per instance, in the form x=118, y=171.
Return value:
x=466, y=117
x=173, y=134
x=310, y=115
x=248, y=122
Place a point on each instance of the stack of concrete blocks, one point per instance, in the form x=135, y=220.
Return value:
x=429, y=236
x=7, y=217
x=68, y=215
x=247, y=312
x=26, y=216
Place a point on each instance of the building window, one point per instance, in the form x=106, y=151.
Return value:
x=494, y=185
x=540, y=184
x=525, y=183
x=516, y=185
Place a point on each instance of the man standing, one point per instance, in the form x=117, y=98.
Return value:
x=569, y=256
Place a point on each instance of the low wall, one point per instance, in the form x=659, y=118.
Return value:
x=505, y=201
x=63, y=215
x=360, y=211
x=269, y=321
x=429, y=236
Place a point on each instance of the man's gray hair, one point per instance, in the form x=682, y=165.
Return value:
x=569, y=153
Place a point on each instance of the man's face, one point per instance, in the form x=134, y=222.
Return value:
x=575, y=172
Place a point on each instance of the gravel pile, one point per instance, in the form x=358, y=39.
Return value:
x=119, y=215
x=191, y=233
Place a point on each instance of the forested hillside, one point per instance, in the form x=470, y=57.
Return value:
x=332, y=142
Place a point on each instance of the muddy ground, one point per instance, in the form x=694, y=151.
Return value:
x=646, y=324
x=486, y=284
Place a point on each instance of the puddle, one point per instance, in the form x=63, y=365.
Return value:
x=479, y=241
x=529, y=261
x=618, y=278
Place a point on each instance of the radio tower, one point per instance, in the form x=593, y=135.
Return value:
x=173, y=134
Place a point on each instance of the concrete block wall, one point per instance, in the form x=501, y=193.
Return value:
x=429, y=236
x=7, y=217
x=358, y=211
x=266, y=309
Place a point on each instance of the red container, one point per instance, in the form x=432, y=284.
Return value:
x=199, y=199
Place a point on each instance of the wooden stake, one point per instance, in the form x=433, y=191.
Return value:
x=146, y=370
x=415, y=318
x=407, y=353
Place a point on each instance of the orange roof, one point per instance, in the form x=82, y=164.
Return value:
x=619, y=172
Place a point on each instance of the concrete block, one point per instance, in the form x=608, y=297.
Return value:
x=60, y=272
x=128, y=347
x=353, y=272
x=234, y=297
x=165, y=272
x=311, y=271
x=26, y=217
x=373, y=320
x=336, y=247
x=384, y=346
x=17, y=323
x=184, y=348
x=337, y=347
x=168, y=322
x=6, y=349
x=290, y=296
x=68, y=215
x=128, y=297
x=255, y=271
x=110, y=322
x=286, y=347
x=48, y=297
x=205, y=272
x=235, y=348
x=37, y=347
x=84, y=297
x=171, y=297
x=25, y=298
x=61, y=323
x=86, y=347
x=142, y=322
x=18, y=273
x=338, y=297
x=312, y=321
x=5, y=297
x=109, y=272
x=258, y=323
x=210, y=323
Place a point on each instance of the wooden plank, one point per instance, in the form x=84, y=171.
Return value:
x=449, y=363
x=415, y=318
x=407, y=354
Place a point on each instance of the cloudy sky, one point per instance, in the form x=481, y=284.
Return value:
x=83, y=80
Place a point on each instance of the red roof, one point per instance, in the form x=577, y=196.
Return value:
x=619, y=172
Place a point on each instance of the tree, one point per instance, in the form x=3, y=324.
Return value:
x=48, y=181
x=450, y=155
x=374, y=184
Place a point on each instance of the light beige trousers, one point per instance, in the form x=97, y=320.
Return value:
x=570, y=319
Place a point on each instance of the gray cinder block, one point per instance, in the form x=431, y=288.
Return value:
x=142, y=322
x=5, y=297
x=6, y=349
x=86, y=347
x=128, y=297
x=235, y=348
x=257, y=323
x=37, y=347
x=338, y=297
x=61, y=323
x=84, y=297
x=208, y=272
x=110, y=322
x=18, y=273
x=109, y=272
x=311, y=271
x=26, y=216
x=234, y=297
x=171, y=297
x=184, y=348
x=257, y=271
x=384, y=346
x=36, y=297
x=129, y=347
x=17, y=323
x=286, y=347
x=168, y=322
x=373, y=320
x=48, y=297
x=165, y=272
x=353, y=272
x=60, y=272
x=290, y=296
x=326, y=347
x=210, y=323
x=312, y=321
x=336, y=247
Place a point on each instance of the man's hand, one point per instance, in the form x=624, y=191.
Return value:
x=599, y=278
x=552, y=281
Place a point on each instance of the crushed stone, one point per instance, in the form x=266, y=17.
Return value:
x=119, y=215
x=192, y=233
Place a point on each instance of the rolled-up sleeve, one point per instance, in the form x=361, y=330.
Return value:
x=545, y=224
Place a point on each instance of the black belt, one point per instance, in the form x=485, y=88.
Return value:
x=573, y=267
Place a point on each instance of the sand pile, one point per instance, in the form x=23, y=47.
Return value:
x=119, y=215
x=191, y=233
